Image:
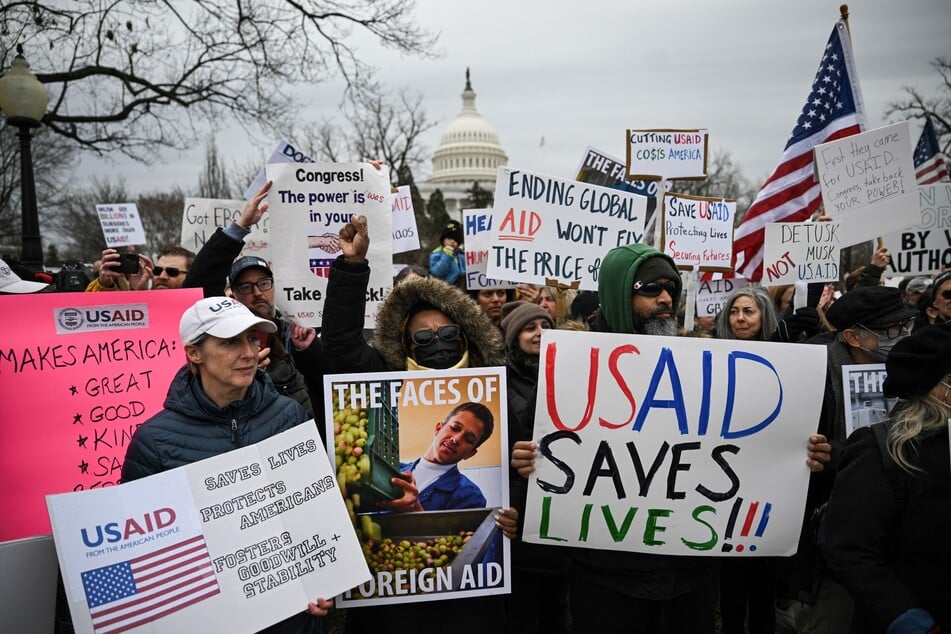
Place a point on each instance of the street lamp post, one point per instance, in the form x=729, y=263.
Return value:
x=23, y=100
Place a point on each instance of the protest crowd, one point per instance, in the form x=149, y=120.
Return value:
x=869, y=551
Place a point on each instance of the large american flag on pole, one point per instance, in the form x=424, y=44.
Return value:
x=135, y=592
x=930, y=164
x=833, y=110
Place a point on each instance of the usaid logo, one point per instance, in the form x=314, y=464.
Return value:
x=132, y=527
x=96, y=318
x=223, y=305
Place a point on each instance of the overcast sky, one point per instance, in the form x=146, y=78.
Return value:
x=581, y=73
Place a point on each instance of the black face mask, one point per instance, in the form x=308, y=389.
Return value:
x=439, y=354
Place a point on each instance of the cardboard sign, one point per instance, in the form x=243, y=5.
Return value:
x=926, y=247
x=405, y=233
x=309, y=203
x=80, y=372
x=712, y=295
x=235, y=543
x=283, y=153
x=600, y=168
x=676, y=446
x=548, y=230
x=423, y=425
x=669, y=154
x=872, y=174
x=865, y=402
x=697, y=231
x=203, y=216
x=478, y=228
x=121, y=224
x=803, y=252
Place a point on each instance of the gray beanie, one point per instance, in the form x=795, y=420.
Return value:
x=516, y=314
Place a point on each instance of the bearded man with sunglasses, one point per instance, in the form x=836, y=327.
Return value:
x=169, y=271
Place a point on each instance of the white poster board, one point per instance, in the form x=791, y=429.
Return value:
x=478, y=226
x=676, y=446
x=865, y=401
x=285, y=152
x=202, y=216
x=803, y=252
x=309, y=203
x=547, y=230
x=712, y=294
x=405, y=233
x=121, y=224
x=669, y=154
x=871, y=174
x=697, y=232
x=233, y=543
x=924, y=248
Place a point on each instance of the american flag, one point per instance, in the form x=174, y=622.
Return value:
x=135, y=592
x=833, y=110
x=930, y=164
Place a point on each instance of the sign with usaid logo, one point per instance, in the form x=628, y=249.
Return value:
x=105, y=317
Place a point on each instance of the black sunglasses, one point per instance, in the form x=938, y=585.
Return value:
x=653, y=289
x=170, y=270
x=945, y=294
x=426, y=336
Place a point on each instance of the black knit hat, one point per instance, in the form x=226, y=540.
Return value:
x=653, y=269
x=452, y=230
x=918, y=362
x=871, y=306
x=516, y=314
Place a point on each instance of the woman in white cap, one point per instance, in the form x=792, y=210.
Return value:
x=219, y=401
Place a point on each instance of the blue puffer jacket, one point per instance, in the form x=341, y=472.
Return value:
x=192, y=427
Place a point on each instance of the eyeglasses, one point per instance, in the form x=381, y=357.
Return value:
x=892, y=332
x=653, y=289
x=171, y=271
x=426, y=336
x=246, y=288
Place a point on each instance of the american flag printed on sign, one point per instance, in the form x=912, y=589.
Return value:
x=833, y=110
x=930, y=164
x=135, y=592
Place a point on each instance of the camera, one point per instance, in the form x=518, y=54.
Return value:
x=128, y=263
x=73, y=276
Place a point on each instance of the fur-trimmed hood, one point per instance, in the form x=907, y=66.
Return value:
x=484, y=339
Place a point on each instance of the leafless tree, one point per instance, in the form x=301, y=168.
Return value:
x=914, y=104
x=132, y=75
x=724, y=178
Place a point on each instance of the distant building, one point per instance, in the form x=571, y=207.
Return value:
x=469, y=152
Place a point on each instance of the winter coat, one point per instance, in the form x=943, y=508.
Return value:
x=446, y=266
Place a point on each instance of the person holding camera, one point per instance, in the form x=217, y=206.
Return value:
x=127, y=270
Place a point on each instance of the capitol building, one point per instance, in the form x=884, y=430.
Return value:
x=469, y=152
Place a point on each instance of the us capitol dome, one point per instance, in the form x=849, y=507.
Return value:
x=469, y=152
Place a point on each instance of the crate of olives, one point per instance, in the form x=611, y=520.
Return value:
x=366, y=450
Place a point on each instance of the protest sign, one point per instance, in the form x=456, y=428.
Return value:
x=478, y=226
x=283, y=153
x=599, y=168
x=697, y=231
x=86, y=370
x=678, y=446
x=548, y=230
x=803, y=251
x=309, y=203
x=405, y=233
x=668, y=154
x=712, y=295
x=865, y=401
x=232, y=543
x=871, y=174
x=383, y=424
x=121, y=224
x=203, y=216
x=924, y=248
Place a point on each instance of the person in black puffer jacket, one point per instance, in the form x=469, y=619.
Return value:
x=218, y=402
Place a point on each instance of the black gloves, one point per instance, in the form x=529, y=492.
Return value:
x=801, y=325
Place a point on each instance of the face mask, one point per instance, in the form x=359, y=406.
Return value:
x=439, y=354
x=885, y=346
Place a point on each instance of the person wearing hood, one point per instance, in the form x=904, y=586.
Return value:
x=220, y=401
x=423, y=324
x=612, y=591
x=448, y=261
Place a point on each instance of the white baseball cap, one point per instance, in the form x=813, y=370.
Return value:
x=10, y=282
x=220, y=317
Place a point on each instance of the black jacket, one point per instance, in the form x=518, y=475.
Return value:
x=886, y=532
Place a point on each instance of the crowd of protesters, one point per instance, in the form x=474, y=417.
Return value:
x=873, y=552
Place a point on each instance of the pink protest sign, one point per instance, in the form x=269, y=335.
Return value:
x=79, y=372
